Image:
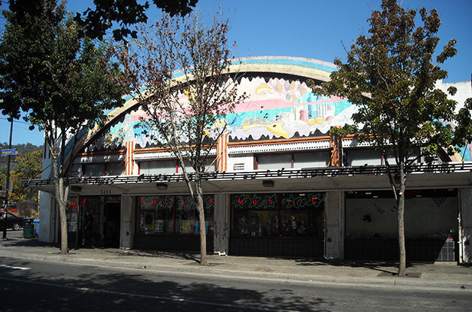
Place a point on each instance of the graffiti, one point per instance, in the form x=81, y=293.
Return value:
x=274, y=108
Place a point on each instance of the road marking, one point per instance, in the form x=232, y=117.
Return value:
x=14, y=267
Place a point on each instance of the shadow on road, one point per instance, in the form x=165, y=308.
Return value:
x=117, y=291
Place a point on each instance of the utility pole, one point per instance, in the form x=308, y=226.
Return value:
x=8, y=181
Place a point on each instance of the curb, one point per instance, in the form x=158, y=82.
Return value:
x=212, y=272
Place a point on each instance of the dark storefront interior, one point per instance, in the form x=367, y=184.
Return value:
x=94, y=221
x=430, y=225
x=277, y=224
x=170, y=223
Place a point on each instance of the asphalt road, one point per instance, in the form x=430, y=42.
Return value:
x=41, y=286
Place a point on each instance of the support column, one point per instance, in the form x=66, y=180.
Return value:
x=130, y=164
x=465, y=226
x=334, y=232
x=221, y=224
x=127, y=222
x=335, y=143
x=222, y=153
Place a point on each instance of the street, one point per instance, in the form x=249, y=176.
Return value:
x=42, y=286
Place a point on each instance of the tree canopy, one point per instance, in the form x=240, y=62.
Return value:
x=61, y=81
x=124, y=13
x=48, y=71
x=390, y=75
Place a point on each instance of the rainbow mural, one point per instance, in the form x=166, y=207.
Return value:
x=274, y=108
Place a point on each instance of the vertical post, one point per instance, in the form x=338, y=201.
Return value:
x=130, y=166
x=8, y=180
x=222, y=153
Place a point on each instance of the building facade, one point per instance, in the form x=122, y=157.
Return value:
x=279, y=186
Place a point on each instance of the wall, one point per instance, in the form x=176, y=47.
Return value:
x=157, y=167
x=361, y=157
x=311, y=159
x=235, y=162
x=127, y=227
x=274, y=161
x=274, y=108
x=47, y=216
x=334, y=238
x=424, y=217
x=221, y=224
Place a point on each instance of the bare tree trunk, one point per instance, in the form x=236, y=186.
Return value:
x=62, y=201
x=401, y=223
x=61, y=194
x=201, y=216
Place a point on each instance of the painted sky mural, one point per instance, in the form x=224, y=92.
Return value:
x=274, y=108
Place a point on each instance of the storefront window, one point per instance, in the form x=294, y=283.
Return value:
x=175, y=214
x=72, y=214
x=276, y=215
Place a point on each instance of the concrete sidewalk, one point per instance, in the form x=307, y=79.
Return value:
x=369, y=274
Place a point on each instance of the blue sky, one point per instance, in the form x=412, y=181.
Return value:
x=309, y=28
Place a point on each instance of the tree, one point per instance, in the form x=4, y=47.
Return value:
x=28, y=166
x=178, y=73
x=390, y=75
x=125, y=13
x=61, y=82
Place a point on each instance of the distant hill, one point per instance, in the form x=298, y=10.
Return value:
x=20, y=148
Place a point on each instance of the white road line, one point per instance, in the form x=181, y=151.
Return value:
x=14, y=267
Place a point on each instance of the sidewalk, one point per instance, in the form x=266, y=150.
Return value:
x=444, y=276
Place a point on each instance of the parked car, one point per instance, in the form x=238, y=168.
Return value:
x=13, y=222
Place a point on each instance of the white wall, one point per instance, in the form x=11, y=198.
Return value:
x=48, y=218
x=240, y=161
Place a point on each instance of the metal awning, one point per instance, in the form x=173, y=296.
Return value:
x=305, y=173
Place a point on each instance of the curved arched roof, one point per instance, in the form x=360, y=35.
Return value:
x=296, y=66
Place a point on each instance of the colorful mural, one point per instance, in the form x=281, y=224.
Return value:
x=274, y=108
x=464, y=154
x=282, y=108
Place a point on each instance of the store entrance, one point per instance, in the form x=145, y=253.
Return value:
x=111, y=225
x=100, y=221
